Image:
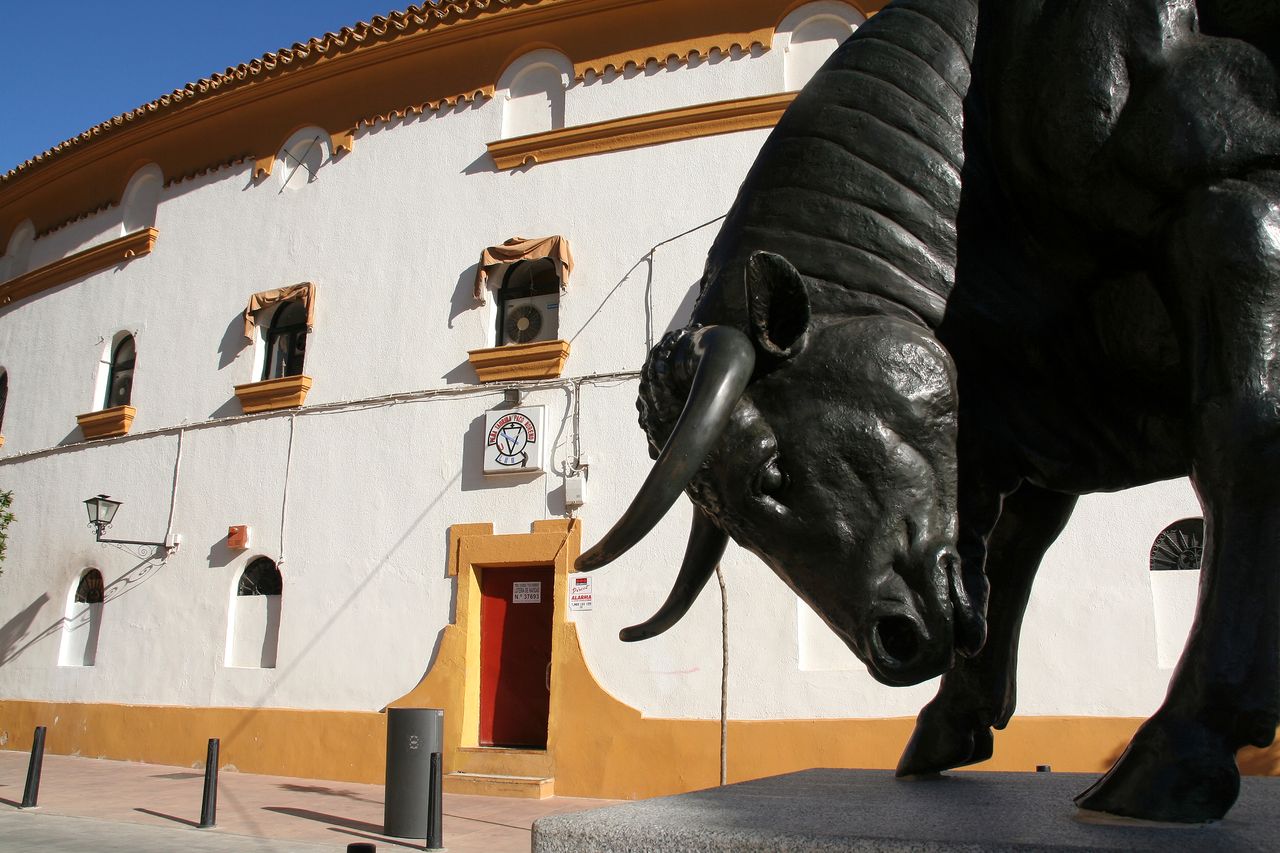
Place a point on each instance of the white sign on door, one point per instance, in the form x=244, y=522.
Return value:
x=580, y=594
x=526, y=592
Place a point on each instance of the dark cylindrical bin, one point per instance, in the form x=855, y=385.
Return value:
x=413, y=734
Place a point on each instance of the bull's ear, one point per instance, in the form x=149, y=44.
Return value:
x=777, y=304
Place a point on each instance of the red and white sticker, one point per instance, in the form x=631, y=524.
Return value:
x=580, y=594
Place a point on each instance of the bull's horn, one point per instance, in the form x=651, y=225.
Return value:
x=706, y=547
x=725, y=359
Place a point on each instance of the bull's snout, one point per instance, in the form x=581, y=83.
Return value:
x=910, y=644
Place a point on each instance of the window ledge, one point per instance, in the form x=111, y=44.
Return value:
x=271, y=394
x=540, y=360
x=107, y=423
x=91, y=260
x=600, y=137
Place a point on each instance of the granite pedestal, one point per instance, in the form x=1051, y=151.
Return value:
x=870, y=810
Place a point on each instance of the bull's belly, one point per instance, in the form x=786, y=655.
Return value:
x=1080, y=451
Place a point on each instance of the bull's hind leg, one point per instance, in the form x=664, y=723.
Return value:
x=1223, y=279
x=979, y=693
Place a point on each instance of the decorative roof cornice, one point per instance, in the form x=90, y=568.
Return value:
x=428, y=56
x=379, y=29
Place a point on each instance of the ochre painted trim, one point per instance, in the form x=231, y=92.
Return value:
x=268, y=395
x=107, y=423
x=370, y=74
x=614, y=752
x=83, y=263
x=637, y=131
x=540, y=360
x=341, y=745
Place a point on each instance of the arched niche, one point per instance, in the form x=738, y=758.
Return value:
x=253, y=630
x=141, y=199
x=533, y=93
x=810, y=34
x=300, y=158
x=82, y=622
x=17, y=255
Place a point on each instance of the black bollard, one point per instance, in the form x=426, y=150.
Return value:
x=209, y=804
x=435, y=808
x=32, y=792
x=361, y=847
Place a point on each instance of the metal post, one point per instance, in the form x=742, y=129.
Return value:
x=209, y=804
x=435, y=808
x=32, y=792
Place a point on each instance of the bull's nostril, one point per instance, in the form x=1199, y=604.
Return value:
x=898, y=638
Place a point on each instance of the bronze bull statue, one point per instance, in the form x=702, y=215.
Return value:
x=998, y=254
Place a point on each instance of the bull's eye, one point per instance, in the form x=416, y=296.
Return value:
x=771, y=480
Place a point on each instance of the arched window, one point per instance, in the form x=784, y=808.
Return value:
x=814, y=31
x=261, y=578
x=4, y=395
x=535, y=85
x=255, y=617
x=286, y=341
x=17, y=254
x=83, y=622
x=89, y=590
x=120, y=375
x=1175, y=585
x=302, y=156
x=141, y=198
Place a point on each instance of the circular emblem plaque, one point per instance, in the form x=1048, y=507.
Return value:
x=510, y=435
x=1179, y=546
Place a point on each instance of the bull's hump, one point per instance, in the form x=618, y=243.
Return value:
x=859, y=184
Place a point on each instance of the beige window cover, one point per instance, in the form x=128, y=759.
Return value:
x=304, y=293
x=524, y=249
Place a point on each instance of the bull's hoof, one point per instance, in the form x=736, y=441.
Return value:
x=941, y=742
x=1172, y=771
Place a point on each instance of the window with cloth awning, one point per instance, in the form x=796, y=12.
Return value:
x=304, y=293
x=524, y=249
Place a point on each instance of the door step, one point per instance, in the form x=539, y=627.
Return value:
x=504, y=761
x=495, y=785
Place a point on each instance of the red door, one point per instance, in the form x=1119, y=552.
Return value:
x=515, y=656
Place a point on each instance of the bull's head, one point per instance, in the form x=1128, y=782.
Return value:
x=828, y=448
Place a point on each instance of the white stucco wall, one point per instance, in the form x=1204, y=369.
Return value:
x=354, y=501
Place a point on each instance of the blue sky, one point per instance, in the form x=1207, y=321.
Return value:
x=71, y=64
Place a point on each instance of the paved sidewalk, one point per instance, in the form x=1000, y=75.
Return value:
x=97, y=805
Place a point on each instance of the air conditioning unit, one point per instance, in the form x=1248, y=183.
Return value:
x=531, y=318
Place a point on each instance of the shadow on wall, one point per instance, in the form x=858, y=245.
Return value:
x=15, y=631
x=233, y=342
x=283, y=674
x=220, y=556
x=464, y=294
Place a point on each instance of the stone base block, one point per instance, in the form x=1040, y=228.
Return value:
x=869, y=810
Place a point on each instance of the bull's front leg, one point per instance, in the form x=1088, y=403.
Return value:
x=1224, y=289
x=980, y=692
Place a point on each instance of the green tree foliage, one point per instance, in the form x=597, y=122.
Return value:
x=6, y=518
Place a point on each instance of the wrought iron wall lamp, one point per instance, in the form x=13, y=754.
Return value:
x=102, y=510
